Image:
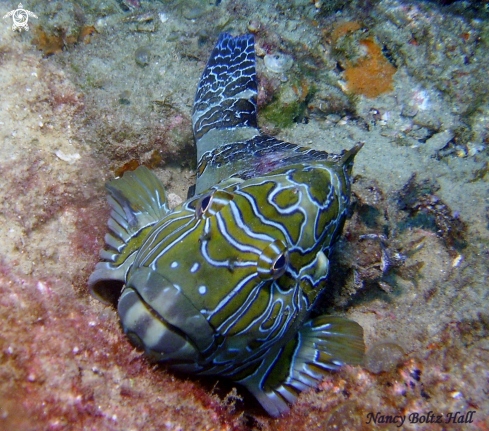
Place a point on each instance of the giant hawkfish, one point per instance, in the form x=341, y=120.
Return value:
x=224, y=283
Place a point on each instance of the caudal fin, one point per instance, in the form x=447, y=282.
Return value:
x=226, y=95
x=323, y=344
x=138, y=201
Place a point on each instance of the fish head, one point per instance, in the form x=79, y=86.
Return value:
x=227, y=273
x=206, y=272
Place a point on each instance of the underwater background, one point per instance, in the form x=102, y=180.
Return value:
x=95, y=88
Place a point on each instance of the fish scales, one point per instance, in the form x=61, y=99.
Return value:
x=224, y=283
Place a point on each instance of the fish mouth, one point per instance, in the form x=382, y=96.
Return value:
x=151, y=332
x=159, y=318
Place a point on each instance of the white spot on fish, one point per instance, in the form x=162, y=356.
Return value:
x=174, y=265
x=195, y=267
x=202, y=290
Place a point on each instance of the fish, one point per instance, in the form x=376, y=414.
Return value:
x=225, y=283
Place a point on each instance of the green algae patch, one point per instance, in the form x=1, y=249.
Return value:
x=289, y=106
x=282, y=115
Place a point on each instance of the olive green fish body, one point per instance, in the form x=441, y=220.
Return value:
x=224, y=283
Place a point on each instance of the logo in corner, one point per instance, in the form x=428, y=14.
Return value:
x=20, y=17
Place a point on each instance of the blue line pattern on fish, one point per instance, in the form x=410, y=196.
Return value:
x=224, y=283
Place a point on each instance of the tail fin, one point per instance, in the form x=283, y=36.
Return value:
x=138, y=201
x=322, y=344
x=226, y=95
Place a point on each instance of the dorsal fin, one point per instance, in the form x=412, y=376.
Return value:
x=225, y=103
x=347, y=156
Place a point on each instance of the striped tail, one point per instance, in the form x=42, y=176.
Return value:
x=322, y=344
x=225, y=104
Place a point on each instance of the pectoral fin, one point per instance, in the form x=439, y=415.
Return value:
x=322, y=344
x=138, y=201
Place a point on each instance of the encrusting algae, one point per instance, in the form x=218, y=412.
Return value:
x=344, y=28
x=54, y=42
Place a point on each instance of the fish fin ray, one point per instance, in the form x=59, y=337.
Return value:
x=227, y=91
x=138, y=198
x=322, y=344
x=347, y=157
x=138, y=201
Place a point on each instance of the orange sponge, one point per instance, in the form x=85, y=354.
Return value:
x=372, y=75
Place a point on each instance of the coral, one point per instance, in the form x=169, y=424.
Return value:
x=372, y=75
x=380, y=245
x=74, y=369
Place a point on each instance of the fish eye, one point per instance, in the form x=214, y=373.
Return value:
x=203, y=205
x=273, y=261
x=280, y=263
x=211, y=203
